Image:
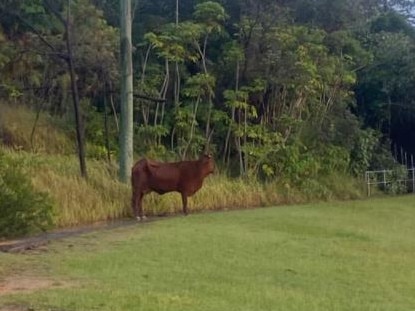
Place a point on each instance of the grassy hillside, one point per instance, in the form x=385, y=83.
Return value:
x=47, y=156
x=24, y=129
x=334, y=256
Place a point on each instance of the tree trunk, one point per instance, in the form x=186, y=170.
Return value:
x=126, y=133
x=202, y=53
x=176, y=84
x=75, y=96
x=106, y=129
x=228, y=135
x=114, y=111
x=164, y=91
x=74, y=88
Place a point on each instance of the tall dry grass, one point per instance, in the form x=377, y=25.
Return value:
x=101, y=197
x=78, y=201
x=22, y=129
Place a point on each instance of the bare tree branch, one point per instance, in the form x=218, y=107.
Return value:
x=159, y=100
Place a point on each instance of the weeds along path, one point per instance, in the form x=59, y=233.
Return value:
x=33, y=242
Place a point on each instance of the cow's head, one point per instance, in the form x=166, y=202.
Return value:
x=208, y=163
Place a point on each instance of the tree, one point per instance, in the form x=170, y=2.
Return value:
x=49, y=36
x=69, y=58
x=385, y=93
x=278, y=80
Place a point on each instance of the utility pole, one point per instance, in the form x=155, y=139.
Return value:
x=126, y=131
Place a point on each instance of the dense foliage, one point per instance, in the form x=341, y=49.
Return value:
x=284, y=89
x=23, y=210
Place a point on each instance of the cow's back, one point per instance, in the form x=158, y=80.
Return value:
x=157, y=176
x=165, y=177
x=184, y=176
x=191, y=178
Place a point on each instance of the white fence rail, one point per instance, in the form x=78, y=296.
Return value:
x=392, y=181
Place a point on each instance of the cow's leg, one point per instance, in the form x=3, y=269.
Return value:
x=140, y=215
x=134, y=202
x=184, y=201
x=137, y=204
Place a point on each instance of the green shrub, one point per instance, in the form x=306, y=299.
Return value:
x=396, y=179
x=22, y=209
x=363, y=151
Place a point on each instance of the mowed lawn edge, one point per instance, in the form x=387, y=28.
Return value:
x=356, y=255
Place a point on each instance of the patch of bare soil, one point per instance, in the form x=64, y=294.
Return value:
x=14, y=308
x=40, y=242
x=20, y=284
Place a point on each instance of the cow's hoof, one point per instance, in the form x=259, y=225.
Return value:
x=143, y=218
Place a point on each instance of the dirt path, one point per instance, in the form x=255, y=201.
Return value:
x=29, y=243
x=29, y=282
x=25, y=284
x=38, y=241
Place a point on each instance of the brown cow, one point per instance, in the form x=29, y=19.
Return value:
x=185, y=177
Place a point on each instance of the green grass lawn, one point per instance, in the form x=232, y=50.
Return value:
x=335, y=256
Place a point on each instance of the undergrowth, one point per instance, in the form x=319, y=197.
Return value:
x=49, y=158
x=22, y=129
x=23, y=208
x=102, y=197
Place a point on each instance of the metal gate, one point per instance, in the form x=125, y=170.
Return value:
x=391, y=181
